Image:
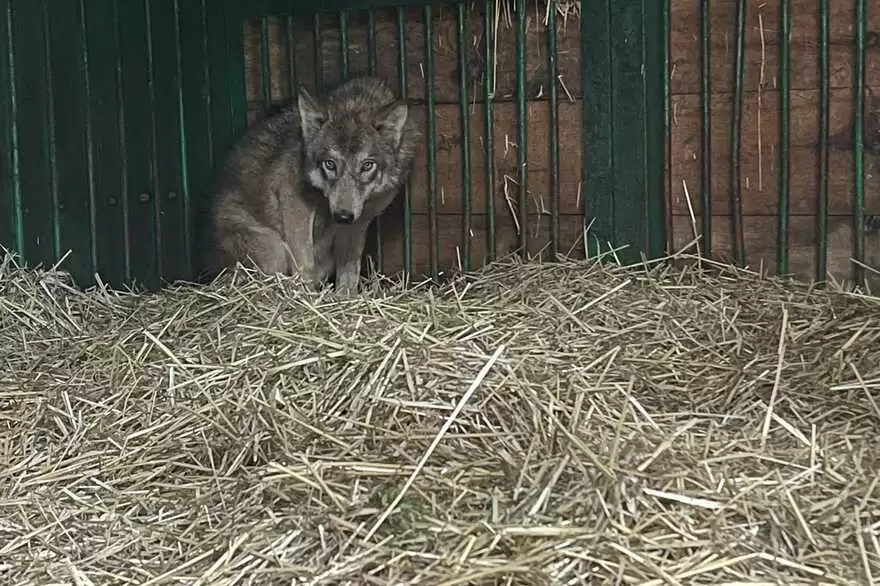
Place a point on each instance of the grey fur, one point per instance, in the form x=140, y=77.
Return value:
x=277, y=195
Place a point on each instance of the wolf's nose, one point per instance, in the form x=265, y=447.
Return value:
x=343, y=217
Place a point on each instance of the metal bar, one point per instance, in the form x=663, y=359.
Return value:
x=184, y=177
x=290, y=40
x=667, y=116
x=251, y=10
x=14, y=162
x=824, y=136
x=89, y=137
x=784, y=138
x=521, y=132
x=154, y=151
x=123, y=144
x=194, y=116
x=554, y=133
x=51, y=142
x=598, y=161
x=654, y=103
x=859, y=142
x=629, y=84
x=343, y=43
x=371, y=41
x=169, y=169
x=319, y=52
x=736, y=134
x=467, y=219
x=706, y=123
x=407, y=199
x=428, y=24
x=208, y=81
x=265, y=64
x=371, y=58
x=489, y=130
x=102, y=126
x=137, y=104
x=235, y=75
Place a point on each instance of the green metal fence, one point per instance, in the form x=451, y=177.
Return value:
x=113, y=114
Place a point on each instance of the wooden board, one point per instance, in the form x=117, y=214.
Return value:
x=760, y=154
x=446, y=77
x=761, y=48
x=451, y=242
x=760, y=236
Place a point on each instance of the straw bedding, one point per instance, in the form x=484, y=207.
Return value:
x=557, y=424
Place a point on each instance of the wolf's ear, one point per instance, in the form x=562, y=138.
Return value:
x=391, y=119
x=312, y=116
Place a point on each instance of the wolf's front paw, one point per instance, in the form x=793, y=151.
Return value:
x=347, y=284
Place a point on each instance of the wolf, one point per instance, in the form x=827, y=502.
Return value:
x=298, y=192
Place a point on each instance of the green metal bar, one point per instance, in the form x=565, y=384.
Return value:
x=235, y=72
x=407, y=196
x=655, y=104
x=103, y=77
x=290, y=37
x=467, y=219
x=706, y=123
x=7, y=212
x=667, y=118
x=12, y=112
x=319, y=52
x=51, y=142
x=209, y=85
x=183, y=171
x=170, y=140
x=250, y=10
x=859, y=142
x=824, y=136
x=194, y=116
x=122, y=144
x=785, y=138
x=554, y=133
x=489, y=129
x=736, y=168
x=343, y=43
x=154, y=146
x=33, y=97
x=377, y=223
x=265, y=64
x=70, y=145
x=371, y=41
x=221, y=99
x=137, y=109
x=598, y=162
x=629, y=127
x=428, y=25
x=88, y=97
x=521, y=131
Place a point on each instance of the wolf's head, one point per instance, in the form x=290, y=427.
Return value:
x=356, y=144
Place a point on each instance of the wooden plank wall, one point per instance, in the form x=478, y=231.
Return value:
x=760, y=127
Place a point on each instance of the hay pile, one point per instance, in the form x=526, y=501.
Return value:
x=558, y=424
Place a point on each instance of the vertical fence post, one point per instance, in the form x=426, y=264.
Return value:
x=859, y=142
x=622, y=49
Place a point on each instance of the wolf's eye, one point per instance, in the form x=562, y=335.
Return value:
x=328, y=165
x=368, y=166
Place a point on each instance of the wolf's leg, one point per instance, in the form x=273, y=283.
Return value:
x=260, y=246
x=348, y=248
